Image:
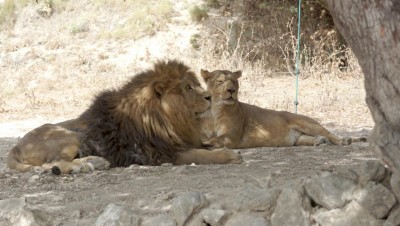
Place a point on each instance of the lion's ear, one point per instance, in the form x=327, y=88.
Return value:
x=205, y=74
x=160, y=87
x=237, y=74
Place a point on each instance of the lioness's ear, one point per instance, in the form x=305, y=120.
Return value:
x=160, y=87
x=205, y=74
x=237, y=74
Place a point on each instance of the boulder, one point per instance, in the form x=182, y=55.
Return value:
x=352, y=214
x=292, y=208
x=330, y=191
x=184, y=206
x=117, y=215
x=376, y=199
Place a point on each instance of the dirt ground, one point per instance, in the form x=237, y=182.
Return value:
x=73, y=199
x=50, y=69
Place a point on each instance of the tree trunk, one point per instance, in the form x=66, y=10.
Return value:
x=372, y=29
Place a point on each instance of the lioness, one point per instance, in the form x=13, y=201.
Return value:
x=155, y=118
x=53, y=145
x=234, y=124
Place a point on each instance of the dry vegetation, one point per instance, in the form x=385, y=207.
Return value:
x=51, y=67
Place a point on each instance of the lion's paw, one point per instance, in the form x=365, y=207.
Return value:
x=86, y=168
x=346, y=141
x=98, y=163
x=321, y=141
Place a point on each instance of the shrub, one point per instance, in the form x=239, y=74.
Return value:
x=198, y=13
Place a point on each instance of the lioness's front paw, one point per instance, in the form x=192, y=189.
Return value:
x=214, y=143
x=321, y=141
x=235, y=157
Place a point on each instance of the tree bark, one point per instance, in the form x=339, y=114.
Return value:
x=372, y=29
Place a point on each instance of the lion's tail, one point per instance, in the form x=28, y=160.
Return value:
x=359, y=139
x=14, y=162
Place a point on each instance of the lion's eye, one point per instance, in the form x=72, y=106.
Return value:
x=188, y=87
x=220, y=81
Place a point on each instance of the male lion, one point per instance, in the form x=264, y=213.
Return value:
x=153, y=119
x=234, y=124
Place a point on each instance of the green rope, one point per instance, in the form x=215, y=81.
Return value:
x=296, y=102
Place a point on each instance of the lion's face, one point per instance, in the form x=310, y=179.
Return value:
x=197, y=99
x=223, y=85
x=184, y=96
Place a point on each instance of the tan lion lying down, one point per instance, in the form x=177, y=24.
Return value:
x=234, y=124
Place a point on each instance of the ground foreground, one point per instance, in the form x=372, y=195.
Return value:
x=155, y=195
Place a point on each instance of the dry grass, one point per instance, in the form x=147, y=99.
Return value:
x=7, y=11
x=57, y=73
x=144, y=18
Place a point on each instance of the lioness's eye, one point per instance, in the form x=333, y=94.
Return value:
x=220, y=81
x=189, y=87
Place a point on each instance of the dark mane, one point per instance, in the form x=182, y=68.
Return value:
x=127, y=126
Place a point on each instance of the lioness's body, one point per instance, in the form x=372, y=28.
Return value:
x=234, y=124
x=52, y=145
x=153, y=119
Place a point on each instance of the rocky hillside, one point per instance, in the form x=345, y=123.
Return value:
x=56, y=54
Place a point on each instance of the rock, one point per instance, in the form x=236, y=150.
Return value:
x=376, y=199
x=292, y=208
x=248, y=219
x=372, y=170
x=185, y=205
x=33, y=178
x=351, y=215
x=77, y=214
x=13, y=212
x=213, y=217
x=330, y=191
x=395, y=184
x=185, y=169
x=254, y=199
x=168, y=164
x=394, y=218
x=348, y=174
x=21, y=217
x=117, y=215
x=160, y=220
x=21, y=56
x=133, y=166
x=12, y=204
x=386, y=181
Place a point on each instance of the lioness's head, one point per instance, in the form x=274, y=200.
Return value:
x=223, y=85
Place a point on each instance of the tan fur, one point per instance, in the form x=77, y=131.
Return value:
x=53, y=145
x=156, y=117
x=234, y=124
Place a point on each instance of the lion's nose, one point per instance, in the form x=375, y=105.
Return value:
x=207, y=96
x=231, y=90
